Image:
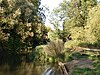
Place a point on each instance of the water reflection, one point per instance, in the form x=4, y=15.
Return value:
x=23, y=69
x=31, y=69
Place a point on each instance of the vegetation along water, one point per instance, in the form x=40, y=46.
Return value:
x=29, y=47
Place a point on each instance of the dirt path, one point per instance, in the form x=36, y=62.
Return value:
x=81, y=63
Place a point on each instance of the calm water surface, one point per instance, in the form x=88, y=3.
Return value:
x=29, y=69
x=23, y=69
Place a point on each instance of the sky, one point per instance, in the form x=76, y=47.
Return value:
x=51, y=4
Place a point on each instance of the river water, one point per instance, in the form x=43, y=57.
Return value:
x=23, y=69
x=30, y=69
x=26, y=69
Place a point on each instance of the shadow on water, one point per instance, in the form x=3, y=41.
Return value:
x=23, y=69
x=31, y=69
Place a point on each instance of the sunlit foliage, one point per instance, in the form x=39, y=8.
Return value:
x=21, y=27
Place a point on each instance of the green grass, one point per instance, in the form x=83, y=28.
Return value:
x=87, y=71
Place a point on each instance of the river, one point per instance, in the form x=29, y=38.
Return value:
x=30, y=69
x=23, y=69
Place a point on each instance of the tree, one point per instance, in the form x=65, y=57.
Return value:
x=73, y=15
x=20, y=26
x=77, y=13
x=93, y=24
x=57, y=18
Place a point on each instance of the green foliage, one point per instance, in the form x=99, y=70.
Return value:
x=85, y=71
x=39, y=56
x=71, y=44
x=72, y=16
x=92, y=28
x=97, y=44
x=80, y=22
x=93, y=21
x=21, y=28
x=90, y=45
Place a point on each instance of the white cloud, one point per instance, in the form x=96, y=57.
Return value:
x=51, y=3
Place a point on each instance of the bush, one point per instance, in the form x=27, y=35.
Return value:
x=71, y=44
x=38, y=56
